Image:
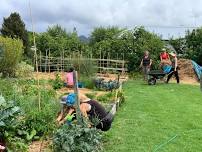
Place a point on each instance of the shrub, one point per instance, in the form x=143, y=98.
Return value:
x=77, y=138
x=24, y=70
x=10, y=54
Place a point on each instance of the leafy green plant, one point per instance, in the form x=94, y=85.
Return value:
x=9, y=121
x=121, y=96
x=91, y=95
x=57, y=83
x=77, y=138
x=106, y=98
x=42, y=121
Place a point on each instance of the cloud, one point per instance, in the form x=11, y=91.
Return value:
x=86, y=14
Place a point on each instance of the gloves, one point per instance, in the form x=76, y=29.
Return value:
x=69, y=118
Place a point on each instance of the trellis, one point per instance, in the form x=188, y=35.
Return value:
x=47, y=63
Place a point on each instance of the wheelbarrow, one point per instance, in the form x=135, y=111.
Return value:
x=155, y=75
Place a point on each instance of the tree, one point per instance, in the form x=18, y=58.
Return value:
x=10, y=55
x=180, y=47
x=194, y=44
x=57, y=40
x=101, y=33
x=130, y=43
x=14, y=27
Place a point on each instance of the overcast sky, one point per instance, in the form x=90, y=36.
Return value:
x=159, y=16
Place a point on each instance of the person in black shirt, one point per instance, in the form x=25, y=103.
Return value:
x=145, y=64
x=93, y=111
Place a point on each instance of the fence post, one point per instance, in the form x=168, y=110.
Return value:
x=78, y=111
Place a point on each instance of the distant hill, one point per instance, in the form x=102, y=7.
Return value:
x=84, y=39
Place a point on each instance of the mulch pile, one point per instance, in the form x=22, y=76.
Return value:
x=186, y=71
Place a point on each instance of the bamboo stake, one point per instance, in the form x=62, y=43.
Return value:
x=103, y=62
x=35, y=53
x=100, y=60
x=123, y=66
x=40, y=61
x=49, y=61
x=46, y=61
x=63, y=63
x=116, y=59
x=76, y=91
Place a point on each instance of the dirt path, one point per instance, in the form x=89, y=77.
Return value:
x=39, y=146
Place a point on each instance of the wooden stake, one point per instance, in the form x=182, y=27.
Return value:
x=49, y=61
x=46, y=60
x=40, y=61
x=123, y=66
x=35, y=54
x=100, y=60
x=76, y=91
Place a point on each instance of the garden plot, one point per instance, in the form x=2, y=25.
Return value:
x=106, y=98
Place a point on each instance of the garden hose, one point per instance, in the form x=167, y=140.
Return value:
x=158, y=147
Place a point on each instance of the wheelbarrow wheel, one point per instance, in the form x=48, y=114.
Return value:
x=152, y=81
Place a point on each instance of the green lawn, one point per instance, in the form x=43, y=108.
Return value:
x=160, y=118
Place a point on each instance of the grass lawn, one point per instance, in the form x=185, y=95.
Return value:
x=160, y=118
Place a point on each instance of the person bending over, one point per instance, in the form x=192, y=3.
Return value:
x=91, y=110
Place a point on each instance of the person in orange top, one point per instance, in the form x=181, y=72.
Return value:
x=165, y=58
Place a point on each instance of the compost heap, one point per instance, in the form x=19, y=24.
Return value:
x=186, y=72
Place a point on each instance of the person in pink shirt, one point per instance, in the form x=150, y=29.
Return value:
x=69, y=78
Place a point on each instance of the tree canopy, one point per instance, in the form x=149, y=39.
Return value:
x=14, y=27
x=194, y=44
x=57, y=40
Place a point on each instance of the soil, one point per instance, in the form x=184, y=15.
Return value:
x=186, y=72
x=39, y=146
x=65, y=90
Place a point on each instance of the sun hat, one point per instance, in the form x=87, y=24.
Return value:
x=70, y=100
x=172, y=54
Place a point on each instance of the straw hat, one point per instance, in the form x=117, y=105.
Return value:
x=83, y=98
x=172, y=54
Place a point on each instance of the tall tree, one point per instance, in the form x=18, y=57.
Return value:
x=14, y=27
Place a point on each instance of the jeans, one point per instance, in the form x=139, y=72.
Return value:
x=145, y=70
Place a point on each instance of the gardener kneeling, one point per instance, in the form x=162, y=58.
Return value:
x=90, y=109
